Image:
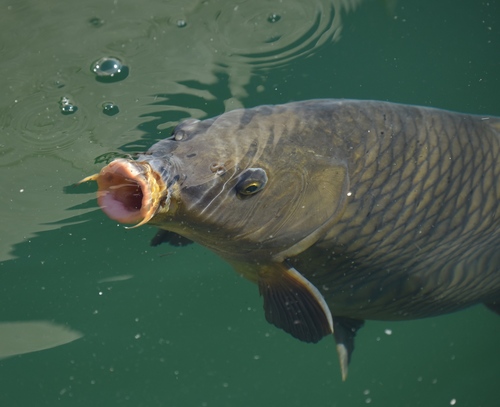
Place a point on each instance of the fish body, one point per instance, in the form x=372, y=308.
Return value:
x=339, y=210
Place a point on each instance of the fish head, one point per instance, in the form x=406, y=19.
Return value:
x=240, y=184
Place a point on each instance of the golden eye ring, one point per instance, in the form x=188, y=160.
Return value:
x=251, y=188
x=252, y=180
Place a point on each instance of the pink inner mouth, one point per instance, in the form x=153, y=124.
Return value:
x=122, y=200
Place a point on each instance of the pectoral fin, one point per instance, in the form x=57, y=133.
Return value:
x=344, y=332
x=293, y=304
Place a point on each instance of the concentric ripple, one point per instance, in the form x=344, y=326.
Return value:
x=268, y=33
x=36, y=124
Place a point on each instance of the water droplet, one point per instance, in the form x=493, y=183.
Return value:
x=273, y=18
x=109, y=69
x=67, y=107
x=96, y=22
x=110, y=109
x=181, y=23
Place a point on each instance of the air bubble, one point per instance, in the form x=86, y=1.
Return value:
x=110, y=109
x=67, y=107
x=181, y=23
x=109, y=69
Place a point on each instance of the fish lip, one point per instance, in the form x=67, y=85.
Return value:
x=131, y=191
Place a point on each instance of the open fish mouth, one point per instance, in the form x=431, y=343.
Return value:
x=130, y=191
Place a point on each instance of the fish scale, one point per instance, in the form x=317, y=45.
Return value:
x=422, y=212
x=340, y=211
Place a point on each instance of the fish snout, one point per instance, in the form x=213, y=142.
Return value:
x=130, y=191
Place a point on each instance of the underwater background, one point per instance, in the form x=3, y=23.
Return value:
x=91, y=315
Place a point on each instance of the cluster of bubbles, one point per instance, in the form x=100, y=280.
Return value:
x=249, y=35
x=107, y=69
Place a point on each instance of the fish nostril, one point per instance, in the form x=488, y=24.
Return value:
x=218, y=169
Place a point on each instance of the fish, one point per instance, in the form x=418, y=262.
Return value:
x=340, y=211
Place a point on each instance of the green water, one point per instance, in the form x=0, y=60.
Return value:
x=90, y=315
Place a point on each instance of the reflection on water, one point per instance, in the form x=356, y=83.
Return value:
x=17, y=338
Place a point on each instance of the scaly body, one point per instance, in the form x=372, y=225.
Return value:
x=340, y=211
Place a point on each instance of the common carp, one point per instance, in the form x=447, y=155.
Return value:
x=339, y=210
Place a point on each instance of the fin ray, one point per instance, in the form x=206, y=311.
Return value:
x=345, y=330
x=293, y=304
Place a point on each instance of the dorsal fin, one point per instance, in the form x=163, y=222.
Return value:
x=293, y=304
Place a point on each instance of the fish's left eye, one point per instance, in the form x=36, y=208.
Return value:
x=252, y=180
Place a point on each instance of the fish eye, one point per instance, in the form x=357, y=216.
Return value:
x=251, y=188
x=252, y=180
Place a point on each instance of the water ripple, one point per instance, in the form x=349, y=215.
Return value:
x=36, y=124
x=266, y=34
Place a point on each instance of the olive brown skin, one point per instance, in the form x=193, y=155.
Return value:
x=339, y=210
